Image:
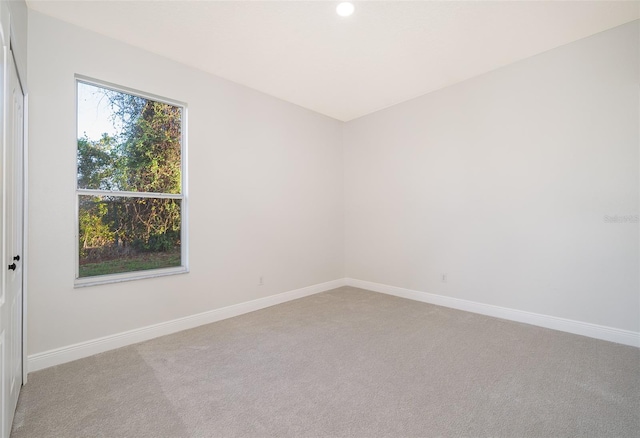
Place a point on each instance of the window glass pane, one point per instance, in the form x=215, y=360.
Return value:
x=124, y=234
x=127, y=142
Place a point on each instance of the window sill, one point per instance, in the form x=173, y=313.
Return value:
x=128, y=276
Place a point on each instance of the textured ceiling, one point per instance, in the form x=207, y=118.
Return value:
x=385, y=53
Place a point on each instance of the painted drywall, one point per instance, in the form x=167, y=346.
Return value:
x=17, y=10
x=521, y=185
x=510, y=183
x=265, y=192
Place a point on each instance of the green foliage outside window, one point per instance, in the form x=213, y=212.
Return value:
x=142, y=156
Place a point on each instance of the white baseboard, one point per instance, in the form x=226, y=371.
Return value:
x=611, y=334
x=69, y=353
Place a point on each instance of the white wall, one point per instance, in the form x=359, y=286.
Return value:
x=503, y=182
x=265, y=181
x=17, y=9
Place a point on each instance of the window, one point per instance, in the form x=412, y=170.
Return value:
x=130, y=193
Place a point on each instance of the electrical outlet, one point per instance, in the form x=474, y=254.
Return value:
x=443, y=278
x=261, y=281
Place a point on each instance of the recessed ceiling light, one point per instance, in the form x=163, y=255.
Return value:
x=345, y=9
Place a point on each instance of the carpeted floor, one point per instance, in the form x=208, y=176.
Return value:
x=344, y=363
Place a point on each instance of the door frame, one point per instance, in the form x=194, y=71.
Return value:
x=25, y=198
x=25, y=229
x=8, y=40
x=25, y=210
x=8, y=56
x=11, y=62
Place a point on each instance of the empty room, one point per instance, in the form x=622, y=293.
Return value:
x=320, y=218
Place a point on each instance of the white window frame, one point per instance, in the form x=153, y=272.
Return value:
x=184, y=219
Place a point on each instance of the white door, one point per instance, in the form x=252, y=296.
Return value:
x=12, y=236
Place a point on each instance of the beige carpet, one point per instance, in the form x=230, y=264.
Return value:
x=345, y=363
